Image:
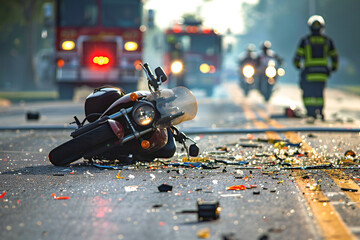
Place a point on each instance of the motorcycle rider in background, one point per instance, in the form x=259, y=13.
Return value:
x=315, y=49
x=247, y=65
x=262, y=62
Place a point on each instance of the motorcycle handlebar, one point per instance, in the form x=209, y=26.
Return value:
x=150, y=75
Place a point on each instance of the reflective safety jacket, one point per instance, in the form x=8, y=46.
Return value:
x=315, y=50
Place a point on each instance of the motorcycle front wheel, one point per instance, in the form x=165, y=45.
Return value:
x=75, y=149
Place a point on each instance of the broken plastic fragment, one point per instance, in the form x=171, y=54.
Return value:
x=59, y=198
x=203, y=233
x=131, y=188
x=236, y=187
x=3, y=194
x=118, y=175
x=350, y=153
x=165, y=188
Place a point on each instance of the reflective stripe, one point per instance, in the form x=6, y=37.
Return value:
x=333, y=53
x=312, y=101
x=309, y=61
x=300, y=51
x=316, y=77
x=317, y=40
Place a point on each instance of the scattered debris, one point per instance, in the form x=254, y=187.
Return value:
x=207, y=211
x=236, y=187
x=59, y=198
x=32, y=116
x=165, y=188
x=131, y=188
x=349, y=189
x=3, y=194
x=118, y=175
x=203, y=233
x=58, y=174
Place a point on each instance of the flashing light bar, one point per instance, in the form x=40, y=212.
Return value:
x=192, y=29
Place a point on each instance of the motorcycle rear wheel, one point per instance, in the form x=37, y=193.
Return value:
x=75, y=149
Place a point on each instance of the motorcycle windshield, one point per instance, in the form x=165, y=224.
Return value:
x=175, y=105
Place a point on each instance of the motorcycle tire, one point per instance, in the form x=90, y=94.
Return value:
x=75, y=149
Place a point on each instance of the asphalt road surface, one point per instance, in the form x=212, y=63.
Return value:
x=300, y=188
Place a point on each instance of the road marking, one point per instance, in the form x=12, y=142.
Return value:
x=335, y=175
x=330, y=222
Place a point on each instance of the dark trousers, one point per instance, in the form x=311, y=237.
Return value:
x=313, y=95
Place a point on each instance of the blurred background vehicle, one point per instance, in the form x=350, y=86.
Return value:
x=97, y=43
x=193, y=55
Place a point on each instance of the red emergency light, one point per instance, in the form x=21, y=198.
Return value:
x=99, y=54
x=177, y=28
x=101, y=60
x=206, y=30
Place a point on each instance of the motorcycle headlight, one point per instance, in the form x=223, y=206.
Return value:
x=270, y=72
x=248, y=71
x=144, y=114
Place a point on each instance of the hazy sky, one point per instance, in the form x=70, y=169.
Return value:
x=218, y=14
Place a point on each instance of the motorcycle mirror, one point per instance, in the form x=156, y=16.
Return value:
x=194, y=150
x=160, y=74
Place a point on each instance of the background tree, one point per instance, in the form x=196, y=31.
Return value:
x=20, y=33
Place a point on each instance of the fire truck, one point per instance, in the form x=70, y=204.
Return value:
x=97, y=42
x=193, y=56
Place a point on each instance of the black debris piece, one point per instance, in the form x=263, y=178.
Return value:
x=349, y=189
x=32, y=116
x=165, y=188
x=229, y=236
x=208, y=211
x=157, y=206
x=58, y=174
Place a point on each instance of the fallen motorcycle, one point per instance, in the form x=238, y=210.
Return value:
x=139, y=126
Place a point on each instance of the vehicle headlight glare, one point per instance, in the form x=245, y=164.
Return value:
x=248, y=71
x=144, y=115
x=270, y=72
x=176, y=67
x=68, y=45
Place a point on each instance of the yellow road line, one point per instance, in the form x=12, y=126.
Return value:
x=330, y=222
x=344, y=182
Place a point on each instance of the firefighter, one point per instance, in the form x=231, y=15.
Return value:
x=315, y=50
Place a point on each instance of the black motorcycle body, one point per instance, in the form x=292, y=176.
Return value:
x=139, y=125
x=248, y=81
x=267, y=72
